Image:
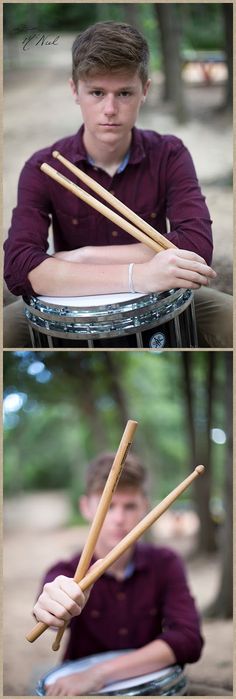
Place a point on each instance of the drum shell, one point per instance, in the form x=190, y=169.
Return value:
x=153, y=321
x=170, y=681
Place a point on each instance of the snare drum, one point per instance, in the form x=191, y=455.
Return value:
x=167, y=682
x=153, y=321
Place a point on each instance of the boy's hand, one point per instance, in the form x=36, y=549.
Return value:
x=60, y=600
x=171, y=269
x=77, y=684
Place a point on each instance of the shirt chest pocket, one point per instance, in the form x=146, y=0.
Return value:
x=82, y=226
x=155, y=217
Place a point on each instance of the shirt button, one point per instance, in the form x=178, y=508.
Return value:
x=114, y=234
x=123, y=631
x=95, y=613
x=75, y=221
x=153, y=214
x=121, y=595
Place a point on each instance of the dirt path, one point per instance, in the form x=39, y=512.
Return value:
x=32, y=542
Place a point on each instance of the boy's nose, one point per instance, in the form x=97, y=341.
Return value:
x=118, y=515
x=110, y=105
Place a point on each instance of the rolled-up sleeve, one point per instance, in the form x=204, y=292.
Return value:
x=27, y=243
x=181, y=623
x=186, y=209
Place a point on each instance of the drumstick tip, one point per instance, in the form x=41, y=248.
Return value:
x=55, y=153
x=200, y=469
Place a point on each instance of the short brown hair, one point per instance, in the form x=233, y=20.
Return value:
x=133, y=475
x=107, y=47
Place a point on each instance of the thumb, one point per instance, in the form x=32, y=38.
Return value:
x=93, y=567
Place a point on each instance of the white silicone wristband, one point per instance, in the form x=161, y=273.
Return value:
x=131, y=286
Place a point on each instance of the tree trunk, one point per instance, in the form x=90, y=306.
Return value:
x=131, y=15
x=223, y=604
x=227, y=9
x=187, y=366
x=119, y=396
x=199, y=403
x=169, y=26
x=203, y=486
x=82, y=374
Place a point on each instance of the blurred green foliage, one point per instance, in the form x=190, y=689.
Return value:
x=202, y=26
x=201, y=23
x=61, y=408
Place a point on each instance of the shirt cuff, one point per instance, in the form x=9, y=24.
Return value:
x=187, y=648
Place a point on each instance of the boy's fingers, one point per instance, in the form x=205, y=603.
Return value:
x=47, y=618
x=66, y=602
x=61, y=600
x=191, y=277
x=178, y=253
x=93, y=567
x=86, y=593
x=188, y=254
x=195, y=266
x=72, y=589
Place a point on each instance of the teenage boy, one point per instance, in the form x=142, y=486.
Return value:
x=141, y=603
x=152, y=174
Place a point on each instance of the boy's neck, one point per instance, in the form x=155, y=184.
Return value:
x=106, y=156
x=118, y=568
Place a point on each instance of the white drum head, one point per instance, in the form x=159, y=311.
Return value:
x=87, y=301
x=127, y=684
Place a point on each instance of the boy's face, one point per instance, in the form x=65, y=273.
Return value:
x=110, y=105
x=127, y=508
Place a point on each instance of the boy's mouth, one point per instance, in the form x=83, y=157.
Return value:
x=118, y=534
x=110, y=126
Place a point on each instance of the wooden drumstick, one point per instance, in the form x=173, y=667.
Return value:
x=116, y=203
x=128, y=540
x=100, y=515
x=104, y=210
x=101, y=512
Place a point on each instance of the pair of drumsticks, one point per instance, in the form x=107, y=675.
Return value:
x=138, y=228
x=102, y=509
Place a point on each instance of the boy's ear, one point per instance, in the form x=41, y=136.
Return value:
x=74, y=90
x=84, y=508
x=145, y=90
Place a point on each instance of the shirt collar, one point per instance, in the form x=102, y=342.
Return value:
x=139, y=561
x=122, y=165
x=135, y=154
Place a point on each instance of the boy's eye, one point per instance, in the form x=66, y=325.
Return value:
x=97, y=93
x=100, y=93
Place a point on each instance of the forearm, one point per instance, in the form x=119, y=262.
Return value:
x=54, y=277
x=166, y=270
x=107, y=254
x=121, y=254
x=149, y=658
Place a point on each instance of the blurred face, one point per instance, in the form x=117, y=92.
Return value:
x=110, y=105
x=126, y=509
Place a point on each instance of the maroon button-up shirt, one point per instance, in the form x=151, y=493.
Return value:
x=153, y=601
x=158, y=183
